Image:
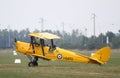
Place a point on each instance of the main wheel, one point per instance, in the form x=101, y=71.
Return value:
x=32, y=64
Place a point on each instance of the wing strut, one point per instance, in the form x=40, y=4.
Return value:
x=42, y=46
x=32, y=43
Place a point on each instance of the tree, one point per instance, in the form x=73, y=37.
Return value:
x=75, y=40
x=91, y=43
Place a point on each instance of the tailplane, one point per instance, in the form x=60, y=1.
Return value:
x=102, y=55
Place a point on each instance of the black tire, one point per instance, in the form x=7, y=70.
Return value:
x=32, y=64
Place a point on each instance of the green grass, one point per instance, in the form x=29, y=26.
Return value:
x=57, y=69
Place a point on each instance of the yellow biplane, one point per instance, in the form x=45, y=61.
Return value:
x=37, y=48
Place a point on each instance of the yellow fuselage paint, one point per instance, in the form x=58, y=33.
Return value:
x=56, y=54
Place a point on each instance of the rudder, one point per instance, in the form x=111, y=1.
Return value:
x=102, y=55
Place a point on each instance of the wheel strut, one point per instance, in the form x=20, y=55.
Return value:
x=34, y=62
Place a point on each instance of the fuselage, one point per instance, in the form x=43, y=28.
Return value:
x=55, y=54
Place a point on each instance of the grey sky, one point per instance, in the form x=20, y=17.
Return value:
x=76, y=14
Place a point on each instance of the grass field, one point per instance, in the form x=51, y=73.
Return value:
x=57, y=69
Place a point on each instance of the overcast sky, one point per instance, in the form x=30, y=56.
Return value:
x=76, y=14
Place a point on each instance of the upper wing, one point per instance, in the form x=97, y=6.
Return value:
x=44, y=35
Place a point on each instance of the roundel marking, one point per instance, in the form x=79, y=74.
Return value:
x=59, y=56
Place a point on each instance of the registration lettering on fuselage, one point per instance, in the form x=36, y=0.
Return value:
x=68, y=58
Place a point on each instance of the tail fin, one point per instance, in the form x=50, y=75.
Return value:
x=102, y=55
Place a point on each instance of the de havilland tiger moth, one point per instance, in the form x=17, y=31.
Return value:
x=37, y=48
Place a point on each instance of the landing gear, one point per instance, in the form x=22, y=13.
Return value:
x=34, y=62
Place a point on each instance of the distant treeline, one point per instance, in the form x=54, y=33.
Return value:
x=73, y=40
